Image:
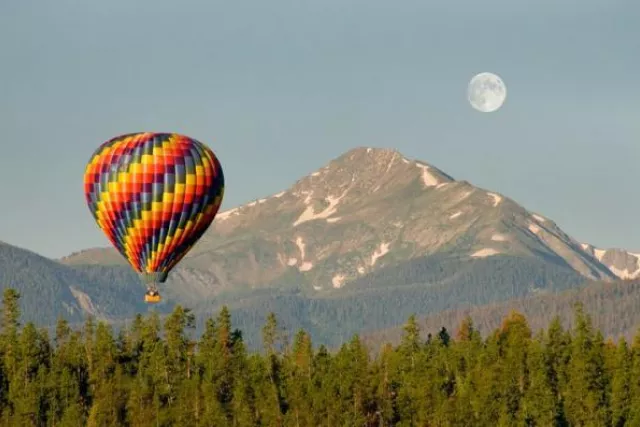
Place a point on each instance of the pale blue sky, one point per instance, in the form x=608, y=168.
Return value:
x=278, y=88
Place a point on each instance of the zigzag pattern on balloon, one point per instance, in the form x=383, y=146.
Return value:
x=154, y=195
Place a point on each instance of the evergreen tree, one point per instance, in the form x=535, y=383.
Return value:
x=273, y=394
x=621, y=385
x=299, y=386
x=212, y=411
x=153, y=373
x=587, y=386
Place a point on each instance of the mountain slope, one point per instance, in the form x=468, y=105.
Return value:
x=613, y=307
x=426, y=285
x=379, y=300
x=50, y=290
x=365, y=210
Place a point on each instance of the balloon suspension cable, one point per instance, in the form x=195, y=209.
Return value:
x=152, y=287
x=152, y=280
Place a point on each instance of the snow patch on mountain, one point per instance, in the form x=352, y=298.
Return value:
x=464, y=195
x=226, y=214
x=496, y=198
x=393, y=159
x=305, y=266
x=498, y=237
x=256, y=202
x=625, y=274
x=427, y=178
x=338, y=280
x=310, y=215
x=382, y=250
x=484, y=253
x=538, y=218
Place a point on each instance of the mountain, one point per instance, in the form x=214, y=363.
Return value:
x=365, y=210
x=357, y=245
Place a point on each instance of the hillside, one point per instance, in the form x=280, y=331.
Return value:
x=379, y=300
x=423, y=286
x=50, y=290
x=613, y=307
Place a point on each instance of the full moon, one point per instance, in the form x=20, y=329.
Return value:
x=486, y=92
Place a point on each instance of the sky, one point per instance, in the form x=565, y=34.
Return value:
x=279, y=88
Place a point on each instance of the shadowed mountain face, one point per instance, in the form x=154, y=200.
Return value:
x=371, y=232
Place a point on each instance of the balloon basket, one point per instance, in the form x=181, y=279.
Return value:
x=152, y=299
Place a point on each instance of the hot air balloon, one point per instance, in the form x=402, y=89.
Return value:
x=154, y=195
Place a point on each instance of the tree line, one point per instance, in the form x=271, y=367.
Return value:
x=156, y=373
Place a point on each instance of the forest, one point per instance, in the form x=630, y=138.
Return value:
x=156, y=372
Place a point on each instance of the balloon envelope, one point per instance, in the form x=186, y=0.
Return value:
x=154, y=195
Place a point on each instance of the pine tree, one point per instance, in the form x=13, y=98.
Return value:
x=212, y=411
x=274, y=404
x=242, y=398
x=587, y=387
x=538, y=407
x=26, y=391
x=409, y=394
x=105, y=379
x=70, y=378
x=634, y=381
x=299, y=372
x=10, y=322
x=145, y=405
x=177, y=357
x=621, y=385
x=513, y=341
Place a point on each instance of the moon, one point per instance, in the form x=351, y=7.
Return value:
x=486, y=92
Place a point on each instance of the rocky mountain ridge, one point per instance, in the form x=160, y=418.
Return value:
x=622, y=263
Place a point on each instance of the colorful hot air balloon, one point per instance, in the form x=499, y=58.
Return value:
x=154, y=195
